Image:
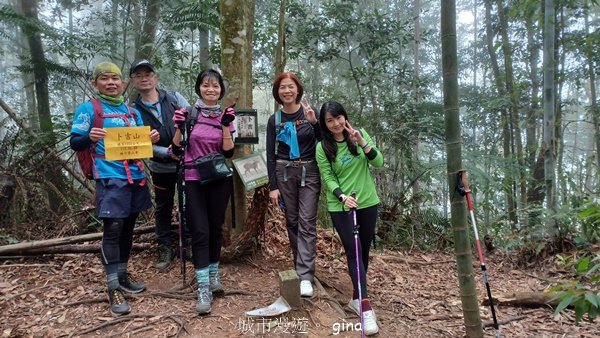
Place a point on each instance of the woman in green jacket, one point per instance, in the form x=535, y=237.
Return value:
x=344, y=156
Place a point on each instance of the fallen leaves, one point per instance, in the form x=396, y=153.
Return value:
x=415, y=294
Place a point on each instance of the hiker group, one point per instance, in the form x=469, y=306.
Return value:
x=305, y=147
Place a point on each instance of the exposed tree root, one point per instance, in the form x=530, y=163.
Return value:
x=180, y=324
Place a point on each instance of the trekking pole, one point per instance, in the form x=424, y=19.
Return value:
x=463, y=189
x=181, y=199
x=355, y=231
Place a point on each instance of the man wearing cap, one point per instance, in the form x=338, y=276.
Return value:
x=157, y=107
x=121, y=189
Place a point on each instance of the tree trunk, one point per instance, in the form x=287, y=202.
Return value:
x=280, y=48
x=27, y=78
x=114, y=30
x=73, y=248
x=462, y=247
x=548, y=140
x=561, y=193
x=594, y=111
x=535, y=193
x=508, y=181
x=204, y=54
x=244, y=243
x=524, y=299
x=148, y=33
x=417, y=97
x=40, y=74
x=237, y=27
x=21, y=248
x=514, y=121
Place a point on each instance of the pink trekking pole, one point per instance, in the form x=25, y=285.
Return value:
x=362, y=320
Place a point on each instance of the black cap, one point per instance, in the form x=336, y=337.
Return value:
x=140, y=63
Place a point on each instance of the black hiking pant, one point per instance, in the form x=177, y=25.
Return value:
x=344, y=224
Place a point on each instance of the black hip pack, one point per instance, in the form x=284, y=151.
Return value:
x=211, y=167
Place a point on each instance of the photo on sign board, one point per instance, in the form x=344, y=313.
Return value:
x=252, y=170
x=246, y=126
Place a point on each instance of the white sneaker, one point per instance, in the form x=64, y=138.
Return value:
x=354, y=305
x=370, y=322
x=306, y=289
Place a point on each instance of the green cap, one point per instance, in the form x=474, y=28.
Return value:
x=106, y=67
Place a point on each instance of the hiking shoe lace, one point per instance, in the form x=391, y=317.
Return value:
x=130, y=285
x=203, y=306
x=215, y=284
x=117, y=302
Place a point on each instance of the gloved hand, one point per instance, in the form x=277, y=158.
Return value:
x=228, y=116
x=179, y=117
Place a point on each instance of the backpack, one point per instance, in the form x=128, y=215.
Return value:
x=86, y=156
x=193, y=120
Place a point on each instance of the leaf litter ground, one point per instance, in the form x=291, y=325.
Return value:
x=414, y=294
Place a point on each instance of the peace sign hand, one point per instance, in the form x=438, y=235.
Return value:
x=309, y=113
x=355, y=135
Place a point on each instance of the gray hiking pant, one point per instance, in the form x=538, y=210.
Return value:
x=300, y=185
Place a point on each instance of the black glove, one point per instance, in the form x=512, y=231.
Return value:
x=228, y=116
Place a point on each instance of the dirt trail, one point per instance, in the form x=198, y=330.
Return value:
x=414, y=295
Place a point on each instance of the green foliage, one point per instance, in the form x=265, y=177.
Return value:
x=427, y=229
x=580, y=293
x=590, y=223
x=193, y=15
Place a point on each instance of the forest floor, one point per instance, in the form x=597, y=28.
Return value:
x=414, y=294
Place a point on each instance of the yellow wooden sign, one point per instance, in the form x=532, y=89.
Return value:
x=127, y=143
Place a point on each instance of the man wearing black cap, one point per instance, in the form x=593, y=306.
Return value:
x=156, y=107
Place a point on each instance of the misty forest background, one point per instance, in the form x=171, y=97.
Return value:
x=529, y=129
x=526, y=116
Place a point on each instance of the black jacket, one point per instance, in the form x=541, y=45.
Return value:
x=165, y=129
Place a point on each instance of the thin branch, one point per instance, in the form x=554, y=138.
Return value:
x=179, y=322
x=50, y=151
x=26, y=265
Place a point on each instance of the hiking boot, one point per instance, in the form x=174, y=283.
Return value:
x=164, y=261
x=306, y=289
x=370, y=323
x=215, y=284
x=130, y=285
x=204, y=300
x=117, y=302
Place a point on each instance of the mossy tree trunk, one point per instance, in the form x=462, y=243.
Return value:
x=237, y=27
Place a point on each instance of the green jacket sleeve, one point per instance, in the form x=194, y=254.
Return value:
x=378, y=160
x=327, y=174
